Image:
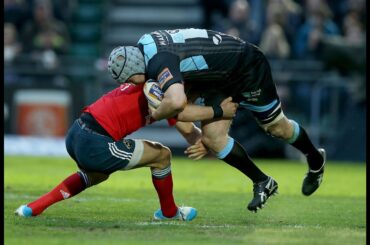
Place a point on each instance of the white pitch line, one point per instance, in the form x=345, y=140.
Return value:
x=14, y=196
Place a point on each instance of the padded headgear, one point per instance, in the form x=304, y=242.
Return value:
x=125, y=61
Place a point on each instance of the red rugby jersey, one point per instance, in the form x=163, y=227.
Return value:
x=121, y=111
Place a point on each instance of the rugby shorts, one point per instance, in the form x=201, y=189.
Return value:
x=252, y=87
x=95, y=152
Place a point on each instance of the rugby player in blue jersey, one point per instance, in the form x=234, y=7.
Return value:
x=191, y=63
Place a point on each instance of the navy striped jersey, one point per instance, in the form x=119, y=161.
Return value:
x=190, y=55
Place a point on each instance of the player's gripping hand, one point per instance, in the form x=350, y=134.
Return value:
x=196, y=151
x=229, y=108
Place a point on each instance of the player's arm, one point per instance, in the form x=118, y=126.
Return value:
x=189, y=131
x=165, y=68
x=191, y=112
x=173, y=102
x=225, y=110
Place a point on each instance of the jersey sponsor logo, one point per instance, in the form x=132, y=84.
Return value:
x=127, y=143
x=217, y=39
x=164, y=77
x=123, y=87
x=252, y=96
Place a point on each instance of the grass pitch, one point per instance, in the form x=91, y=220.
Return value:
x=119, y=211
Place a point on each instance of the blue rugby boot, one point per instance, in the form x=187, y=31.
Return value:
x=23, y=211
x=183, y=213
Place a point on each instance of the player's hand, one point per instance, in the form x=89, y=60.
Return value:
x=229, y=108
x=149, y=118
x=196, y=151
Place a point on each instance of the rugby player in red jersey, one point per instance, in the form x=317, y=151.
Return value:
x=96, y=142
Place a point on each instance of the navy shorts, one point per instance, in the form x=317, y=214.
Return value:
x=94, y=152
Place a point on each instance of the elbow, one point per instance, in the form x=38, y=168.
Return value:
x=185, y=128
x=181, y=117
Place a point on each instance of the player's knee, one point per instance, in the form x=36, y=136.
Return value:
x=166, y=153
x=207, y=141
x=162, y=167
x=164, y=158
x=278, y=130
x=213, y=142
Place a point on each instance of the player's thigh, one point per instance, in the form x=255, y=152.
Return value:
x=259, y=94
x=215, y=127
x=101, y=154
x=154, y=155
x=97, y=153
x=215, y=131
x=213, y=96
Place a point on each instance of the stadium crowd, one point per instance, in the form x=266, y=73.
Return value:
x=36, y=27
x=282, y=28
x=288, y=28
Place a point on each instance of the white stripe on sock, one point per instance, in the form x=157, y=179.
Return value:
x=159, y=173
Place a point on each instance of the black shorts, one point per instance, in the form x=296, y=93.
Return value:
x=252, y=87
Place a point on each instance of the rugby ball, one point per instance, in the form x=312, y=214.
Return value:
x=153, y=93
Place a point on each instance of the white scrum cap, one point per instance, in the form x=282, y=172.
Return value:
x=125, y=61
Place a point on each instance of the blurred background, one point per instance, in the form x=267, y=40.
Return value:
x=55, y=57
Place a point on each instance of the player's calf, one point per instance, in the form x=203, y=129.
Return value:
x=69, y=187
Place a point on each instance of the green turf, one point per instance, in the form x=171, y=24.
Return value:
x=119, y=211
